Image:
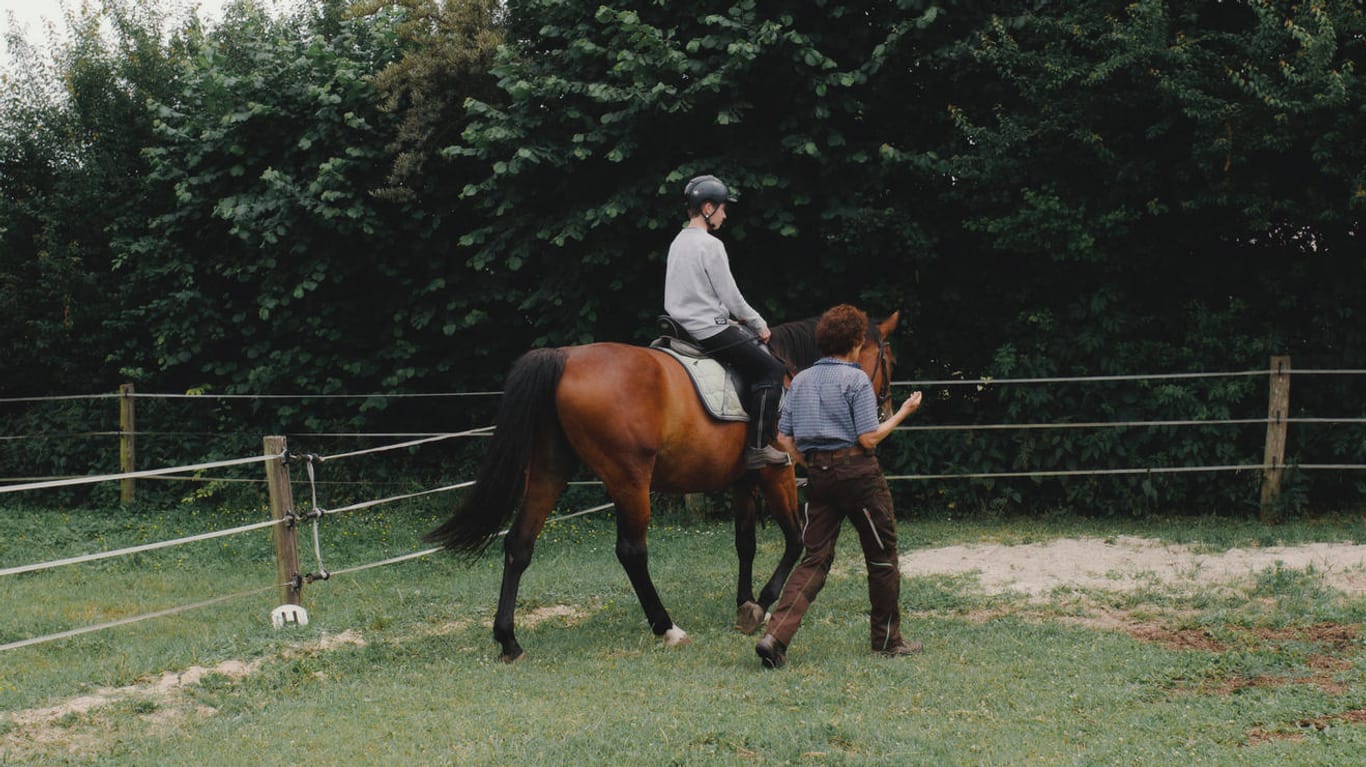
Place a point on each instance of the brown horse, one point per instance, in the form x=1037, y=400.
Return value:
x=629, y=414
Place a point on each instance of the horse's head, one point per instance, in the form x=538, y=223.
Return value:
x=795, y=345
x=877, y=360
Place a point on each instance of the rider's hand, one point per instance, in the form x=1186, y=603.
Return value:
x=765, y=334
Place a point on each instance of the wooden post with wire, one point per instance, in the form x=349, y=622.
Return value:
x=289, y=576
x=127, y=446
x=1278, y=409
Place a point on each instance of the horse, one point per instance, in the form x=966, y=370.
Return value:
x=631, y=415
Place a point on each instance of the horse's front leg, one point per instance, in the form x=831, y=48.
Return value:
x=633, y=516
x=749, y=614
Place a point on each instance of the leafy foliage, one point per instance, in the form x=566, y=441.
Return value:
x=606, y=113
x=1128, y=169
x=405, y=195
x=449, y=47
x=266, y=155
x=71, y=132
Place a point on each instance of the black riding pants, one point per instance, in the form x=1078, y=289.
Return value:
x=762, y=374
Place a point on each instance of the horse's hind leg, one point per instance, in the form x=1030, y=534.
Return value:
x=779, y=487
x=546, y=479
x=633, y=516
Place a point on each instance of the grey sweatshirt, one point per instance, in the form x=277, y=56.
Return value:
x=699, y=290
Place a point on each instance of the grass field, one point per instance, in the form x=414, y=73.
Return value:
x=398, y=667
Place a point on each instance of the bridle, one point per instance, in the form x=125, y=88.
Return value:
x=883, y=366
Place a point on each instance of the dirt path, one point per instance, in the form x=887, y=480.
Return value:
x=1126, y=562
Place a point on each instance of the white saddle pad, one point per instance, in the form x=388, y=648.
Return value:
x=717, y=385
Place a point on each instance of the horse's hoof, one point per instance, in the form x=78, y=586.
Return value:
x=676, y=637
x=511, y=658
x=749, y=617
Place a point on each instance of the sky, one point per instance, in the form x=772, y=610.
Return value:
x=29, y=14
x=32, y=13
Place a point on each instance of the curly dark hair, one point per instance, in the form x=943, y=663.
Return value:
x=841, y=329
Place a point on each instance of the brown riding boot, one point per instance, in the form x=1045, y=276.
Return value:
x=771, y=652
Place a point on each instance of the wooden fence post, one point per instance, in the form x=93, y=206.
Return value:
x=127, y=447
x=1278, y=409
x=281, y=505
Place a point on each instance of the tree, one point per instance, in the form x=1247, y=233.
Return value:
x=71, y=133
x=1161, y=186
x=408, y=195
x=268, y=267
x=449, y=48
x=1046, y=187
x=606, y=113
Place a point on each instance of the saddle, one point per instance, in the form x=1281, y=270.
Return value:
x=717, y=385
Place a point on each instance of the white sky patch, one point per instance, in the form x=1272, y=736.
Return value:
x=40, y=21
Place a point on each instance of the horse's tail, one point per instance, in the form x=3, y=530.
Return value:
x=528, y=404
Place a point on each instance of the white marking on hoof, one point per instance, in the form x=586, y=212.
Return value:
x=768, y=617
x=675, y=637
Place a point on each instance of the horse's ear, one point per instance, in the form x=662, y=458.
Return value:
x=888, y=325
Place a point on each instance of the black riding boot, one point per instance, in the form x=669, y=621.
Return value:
x=763, y=425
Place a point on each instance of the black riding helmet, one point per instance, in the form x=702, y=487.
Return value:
x=706, y=189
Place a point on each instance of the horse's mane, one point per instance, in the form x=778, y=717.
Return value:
x=795, y=342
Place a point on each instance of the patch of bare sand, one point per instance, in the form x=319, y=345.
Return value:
x=568, y=613
x=1126, y=563
x=165, y=699
x=159, y=691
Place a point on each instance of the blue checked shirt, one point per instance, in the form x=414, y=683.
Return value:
x=829, y=405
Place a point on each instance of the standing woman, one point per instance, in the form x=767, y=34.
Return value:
x=701, y=294
x=830, y=423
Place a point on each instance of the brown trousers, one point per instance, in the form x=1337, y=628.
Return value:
x=847, y=487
